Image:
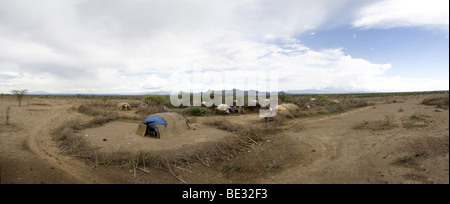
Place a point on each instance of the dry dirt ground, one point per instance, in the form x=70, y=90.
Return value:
x=321, y=149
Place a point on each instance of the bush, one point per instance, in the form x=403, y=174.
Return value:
x=414, y=117
x=195, y=111
x=321, y=97
x=389, y=119
x=157, y=99
x=334, y=108
x=96, y=109
x=302, y=102
x=439, y=101
x=285, y=98
x=354, y=103
x=221, y=124
x=148, y=110
x=100, y=120
x=66, y=130
x=7, y=111
x=245, y=134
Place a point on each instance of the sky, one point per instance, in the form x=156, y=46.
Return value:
x=139, y=46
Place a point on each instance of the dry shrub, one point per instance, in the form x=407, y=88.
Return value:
x=438, y=101
x=415, y=121
x=151, y=109
x=335, y=108
x=173, y=162
x=287, y=115
x=66, y=130
x=130, y=160
x=104, y=111
x=222, y=124
x=301, y=114
x=202, y=153
x=355, y=103
x=430, y=145
x=346, y=104
x=389, y=119
x=196, y=111
x=247, y=134
x=67, y=140
x=100, y=120
x=386, y=124
x=278, y=120
x=96, y=108
x=419, y=149
x=256, y=133
x=7, y=115
x=325, y=106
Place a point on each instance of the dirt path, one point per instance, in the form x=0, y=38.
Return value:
x=28, y=155
x=336, y=153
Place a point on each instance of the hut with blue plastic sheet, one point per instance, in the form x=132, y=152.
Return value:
x=162, y=125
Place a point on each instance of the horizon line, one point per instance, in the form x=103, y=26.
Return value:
x=289, y=92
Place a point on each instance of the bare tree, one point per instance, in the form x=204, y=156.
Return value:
x=20, y=94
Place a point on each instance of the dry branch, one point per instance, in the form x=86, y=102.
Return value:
x=146, y=171
x=179, y=178
x=201, y=160
x=223, y=151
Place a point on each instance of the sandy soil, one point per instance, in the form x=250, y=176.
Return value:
x=327, y=149
x=121, y=137
x=340, y=154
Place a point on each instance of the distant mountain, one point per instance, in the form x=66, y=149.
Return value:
x=323, y=91
x=167, y=93
x=90, y=94
x=39, y=93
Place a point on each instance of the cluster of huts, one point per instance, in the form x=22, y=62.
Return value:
x=163, y=125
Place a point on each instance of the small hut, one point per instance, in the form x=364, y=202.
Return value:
x=162, y=125
x=225, y=108
x=288, y=108
x=123, y=106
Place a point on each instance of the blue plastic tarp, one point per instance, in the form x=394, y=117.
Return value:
x=154, y=120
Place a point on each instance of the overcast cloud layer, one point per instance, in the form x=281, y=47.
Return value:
x=137, y=46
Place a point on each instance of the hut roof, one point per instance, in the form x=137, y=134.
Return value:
x=165, y=124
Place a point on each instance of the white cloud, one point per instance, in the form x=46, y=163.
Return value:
x=137, y=46
x=404, y=13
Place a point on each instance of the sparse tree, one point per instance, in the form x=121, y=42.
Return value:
x=20, y=94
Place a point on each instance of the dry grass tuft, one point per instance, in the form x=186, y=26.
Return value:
x=67, y=140
x=149, y=109
x=248, y=134
x=386, y=124
x=415, y=121
x=100, y=120
x=96, y=108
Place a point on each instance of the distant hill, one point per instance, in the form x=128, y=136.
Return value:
x=167, y=93
x=323, y=91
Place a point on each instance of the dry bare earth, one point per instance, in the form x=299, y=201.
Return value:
x=324, y=149
x=27, y=153
x=335, y=152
